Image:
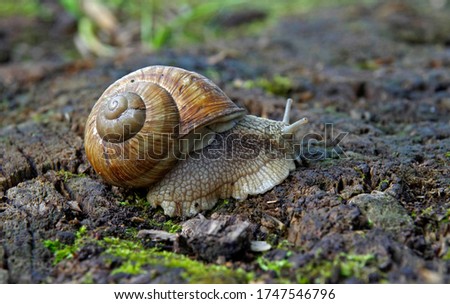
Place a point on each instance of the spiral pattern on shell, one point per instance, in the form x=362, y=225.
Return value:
x=133, y=133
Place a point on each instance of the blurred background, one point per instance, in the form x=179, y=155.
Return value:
x=64, y=30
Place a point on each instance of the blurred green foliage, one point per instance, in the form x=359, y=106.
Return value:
x=277, y=85
x=19, y=7
x=169, y=23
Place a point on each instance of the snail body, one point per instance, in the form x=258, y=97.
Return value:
x=176, y=133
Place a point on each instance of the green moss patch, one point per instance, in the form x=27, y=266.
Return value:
x=135, y=258
x=342, y=266
x=131, y=257
x=66, y=251
x=277, y=85
x=66, y=175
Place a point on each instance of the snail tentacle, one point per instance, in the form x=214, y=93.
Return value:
x=287, y=111
x=291, y=128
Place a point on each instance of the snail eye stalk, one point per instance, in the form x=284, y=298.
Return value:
x=291, y=129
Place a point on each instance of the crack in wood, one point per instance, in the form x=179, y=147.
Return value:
x=31, y=149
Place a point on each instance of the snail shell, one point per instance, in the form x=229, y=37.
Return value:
x=178, y=134
x=135, y=132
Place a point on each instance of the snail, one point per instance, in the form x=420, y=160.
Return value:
x=176, y=133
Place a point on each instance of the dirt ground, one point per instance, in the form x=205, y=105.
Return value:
x=369, y=202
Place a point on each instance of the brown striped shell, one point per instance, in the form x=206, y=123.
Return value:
x=133, y=134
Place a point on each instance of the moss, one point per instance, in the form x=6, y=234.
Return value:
x=368, y=64
x=360, y=172
x=44, y=117
x=427, y=212
x=277, y=266
x=171, y=227
x=4, y=104
x=222, y=204
x=60, y=251
x=88, y=279
x=20, y=7
x=272, y=239
x=66, y=175
x=277, y=85
x=135, y=257
x=446, y=218
x=131, y=257
x=284, y=245
x=382, y=185
x=343, y=266
x=131, y=232
x=65, y=251
x=135, y=200
x=446, y=257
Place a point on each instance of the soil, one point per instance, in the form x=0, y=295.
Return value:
x=369, y=202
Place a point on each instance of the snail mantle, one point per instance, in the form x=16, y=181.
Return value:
x=176, y=133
